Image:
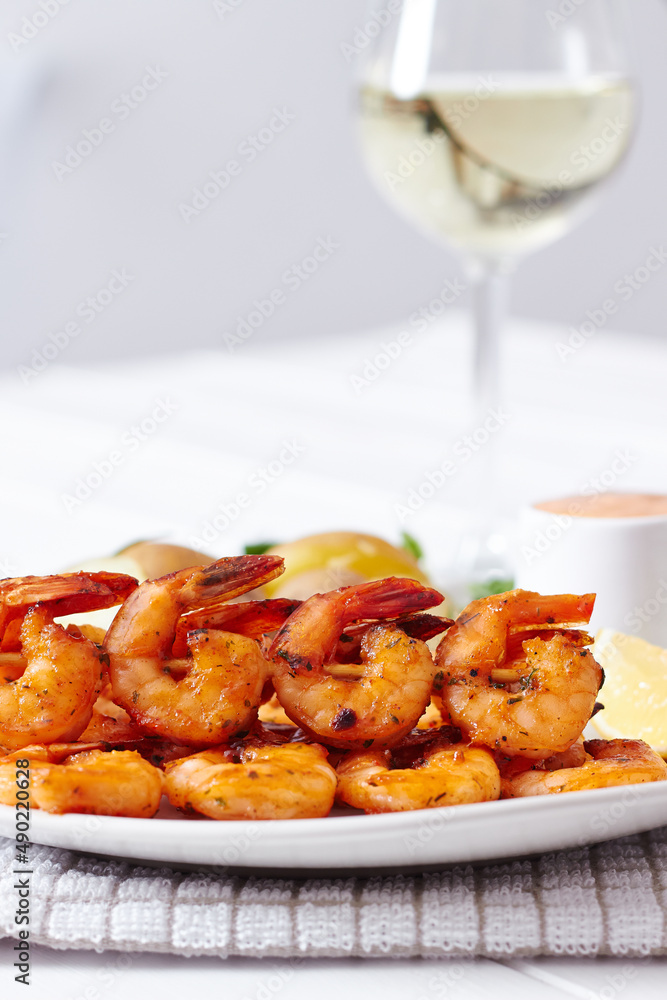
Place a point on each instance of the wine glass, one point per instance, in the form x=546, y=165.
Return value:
x=490, y=125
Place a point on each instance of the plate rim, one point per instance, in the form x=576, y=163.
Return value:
x=45, y=826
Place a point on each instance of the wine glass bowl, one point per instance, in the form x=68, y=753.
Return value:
x=509, y=175
x=491, y=131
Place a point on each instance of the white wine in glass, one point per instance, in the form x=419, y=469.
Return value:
x=508, y=176
x=490, y=128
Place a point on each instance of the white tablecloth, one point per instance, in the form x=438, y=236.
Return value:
x=87, y=466
x=215, y=450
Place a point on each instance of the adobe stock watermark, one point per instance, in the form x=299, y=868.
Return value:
x=418, y=322
x=365, y=33
x=619, y=467
x=105, y=977
x=224, y=7
x=565, y=10
x=604, y=822
x=236, y=849
x=583, y=159
x=448, y=982
x=616, y=983
x=247, y=151
x=130, y=443
x=434, y=822
x=463, y=451
x=625, y=289
x=86, y=312
x=121, y=108
x=645, y=613
x=291, y=281
x=280, y=975
x=33, y=24
x=22, y=874
x=619, y=981
x=257, y=484
x=454, y=116
x=459, y=112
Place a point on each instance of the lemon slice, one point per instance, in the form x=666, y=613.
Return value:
x=634, y=694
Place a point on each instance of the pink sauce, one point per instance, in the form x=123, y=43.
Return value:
x=608, y=505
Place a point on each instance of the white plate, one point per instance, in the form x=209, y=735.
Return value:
x=467, y=833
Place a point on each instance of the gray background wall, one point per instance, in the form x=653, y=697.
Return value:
x=226, y=71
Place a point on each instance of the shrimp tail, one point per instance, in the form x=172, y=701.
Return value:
x=250, y=618
x=390, y=598
x=63, y=594
x=120, y=585
x=419, y=626
x=557, y=609
x=229, y=577
x=77, y=589
x=424, y=627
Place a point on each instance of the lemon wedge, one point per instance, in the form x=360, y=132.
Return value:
x=634, y=694
x=324, y=562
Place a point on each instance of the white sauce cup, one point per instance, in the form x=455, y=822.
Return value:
x=614, y=545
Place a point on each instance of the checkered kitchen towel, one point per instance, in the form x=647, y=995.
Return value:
x=605, y=900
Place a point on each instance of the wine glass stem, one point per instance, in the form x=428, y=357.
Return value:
x=489, y=279
x=490, y=289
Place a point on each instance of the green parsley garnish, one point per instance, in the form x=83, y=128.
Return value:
x=411, y=545
x=490, y=588
x=259, y=548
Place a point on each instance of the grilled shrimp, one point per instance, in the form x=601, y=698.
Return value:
x=254, y=781
x=51, y=676
x=512, y=675
x=382, y=704
x=606, y=763
x=212, y=694
x=445, y=773
x=73, y=779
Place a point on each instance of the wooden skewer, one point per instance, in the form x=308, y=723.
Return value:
x=503, y=676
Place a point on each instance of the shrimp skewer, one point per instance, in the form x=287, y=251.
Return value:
x=254, y=781
x=213, y=694
x=384, y=703
x=606, y=763
x=553, y=681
